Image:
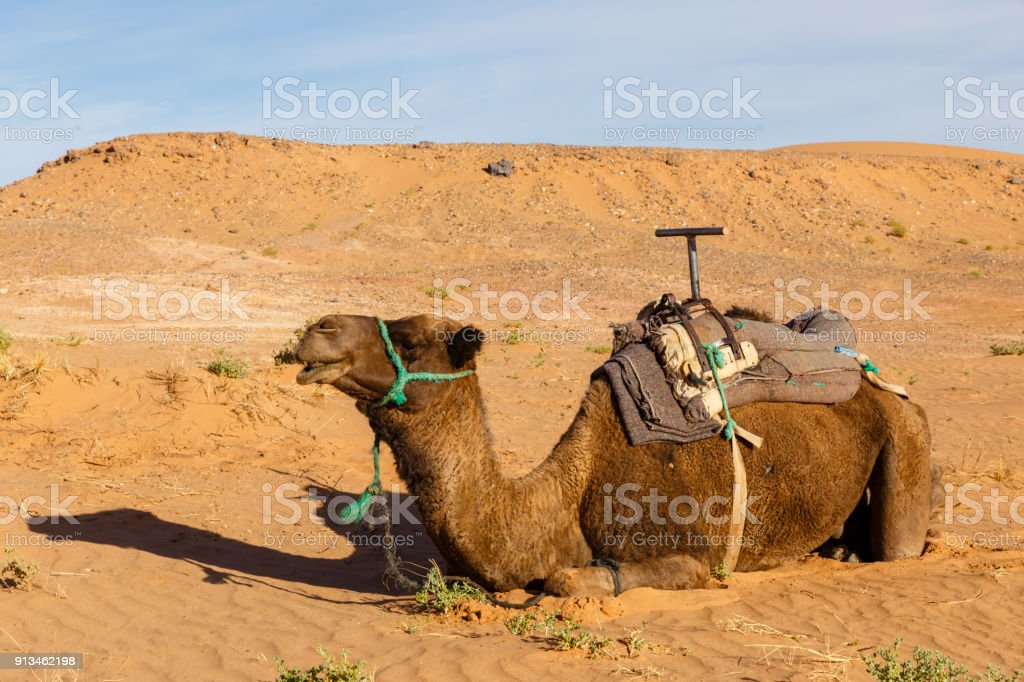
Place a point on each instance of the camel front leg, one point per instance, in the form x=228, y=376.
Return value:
x=673, y=572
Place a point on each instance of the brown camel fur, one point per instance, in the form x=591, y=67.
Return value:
x=504, y=533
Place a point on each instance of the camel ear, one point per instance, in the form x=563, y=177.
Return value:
x=463, y=345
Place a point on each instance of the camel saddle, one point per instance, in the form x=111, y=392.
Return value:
x=666, y=389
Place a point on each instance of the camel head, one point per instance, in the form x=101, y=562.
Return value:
x=348, y=352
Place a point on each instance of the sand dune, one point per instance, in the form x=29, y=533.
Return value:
x=172, y=572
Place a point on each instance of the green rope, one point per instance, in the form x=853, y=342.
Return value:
x=357, y=509
x=865, y=361
x=716, y=360
x=396, y=395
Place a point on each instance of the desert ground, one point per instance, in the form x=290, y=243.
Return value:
x=174, y=571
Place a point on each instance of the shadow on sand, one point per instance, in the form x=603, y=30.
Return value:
x=267, y=555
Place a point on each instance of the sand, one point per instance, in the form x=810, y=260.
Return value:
x=172, y=571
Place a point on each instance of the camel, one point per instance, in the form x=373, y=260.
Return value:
x=595, y=497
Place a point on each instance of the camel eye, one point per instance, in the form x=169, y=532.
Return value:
x=407, y=344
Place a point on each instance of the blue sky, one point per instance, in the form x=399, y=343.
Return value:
x=514, y=72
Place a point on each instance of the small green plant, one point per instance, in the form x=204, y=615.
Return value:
x=286, y=356
x=522, y=623
x=573, y=637
x=15, y=573
x=269, y=251
x=516, y=335
x=926, y=665
x=1011, y=348
x=869, y=239
x=5, y=341
x=71, y=339
x=896, y=228
x=331, y=670
x=633, y=641
x=539, y=359
x=989, y=247
x=441, y=596
x=310, y=226
x=437, y=292
x=858, y=222
x=226, y=365
x=600, y=349
x=963, y=240
x=974, y=273
x=720, y=572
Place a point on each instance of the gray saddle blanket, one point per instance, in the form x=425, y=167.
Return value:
x=797, y=363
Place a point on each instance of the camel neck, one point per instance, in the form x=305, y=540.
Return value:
x=480, y=520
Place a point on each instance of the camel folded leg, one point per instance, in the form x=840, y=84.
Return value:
x=673, y=572
x=902, y=495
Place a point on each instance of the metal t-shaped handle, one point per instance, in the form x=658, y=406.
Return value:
x=691, y=234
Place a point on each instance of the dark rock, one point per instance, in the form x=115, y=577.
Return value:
x=503, y=168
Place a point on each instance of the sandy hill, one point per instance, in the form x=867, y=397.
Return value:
x=265, y=190
x=169, y=462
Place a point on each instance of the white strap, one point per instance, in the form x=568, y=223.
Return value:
x=739, y=508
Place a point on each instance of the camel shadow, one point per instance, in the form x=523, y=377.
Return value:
x=227, y=560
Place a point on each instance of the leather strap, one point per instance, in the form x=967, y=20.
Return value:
x=614, y=567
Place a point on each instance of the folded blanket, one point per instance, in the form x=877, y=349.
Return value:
x=649, y=411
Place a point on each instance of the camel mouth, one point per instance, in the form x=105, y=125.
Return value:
x=321, y=373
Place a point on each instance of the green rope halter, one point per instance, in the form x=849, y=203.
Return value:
x=716, y=360
x=396, y=395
